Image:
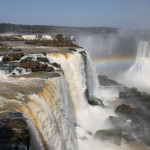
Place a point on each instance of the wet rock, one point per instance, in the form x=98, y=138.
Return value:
x=49, y=69
x=95, y=101
x=125, y=110
x=43, y=59
x=13, y=57
x=43, y=66
x=35, y=66
x=56, y=65
x=14, y=135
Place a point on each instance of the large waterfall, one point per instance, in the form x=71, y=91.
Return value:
x=47, y=104
x=55, y=104
x=138, y=74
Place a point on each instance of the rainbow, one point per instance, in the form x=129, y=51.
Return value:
x=114, y=61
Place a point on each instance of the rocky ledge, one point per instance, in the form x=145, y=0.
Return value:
x=14, y=135
x=18, y=63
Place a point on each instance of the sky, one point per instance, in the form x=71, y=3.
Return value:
x=85, y=13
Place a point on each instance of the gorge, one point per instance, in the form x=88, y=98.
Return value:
x=56, y=93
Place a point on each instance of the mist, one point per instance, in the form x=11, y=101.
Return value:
x=113, y=53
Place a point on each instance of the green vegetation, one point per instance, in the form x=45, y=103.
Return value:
x=1, y=44
x=135, y=92
x=132, y=93
x=22, y=127
x=1, y=38
x=52, y=43
x=59, y=37
x=9, y=38
x=13, y=57
x=6, y=27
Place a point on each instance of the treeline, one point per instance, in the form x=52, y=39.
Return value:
x=6, y=28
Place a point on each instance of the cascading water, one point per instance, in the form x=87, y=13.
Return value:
x=48, y=108
x=138, y=74
x=80, y=75
x=56, y=103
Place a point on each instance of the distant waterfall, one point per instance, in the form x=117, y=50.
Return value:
x=138, y=74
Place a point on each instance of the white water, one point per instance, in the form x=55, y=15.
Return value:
x=138, y=74
x=1, y=58
x=29, y=37
x=4, y=72
x=92, y=79
x=47, y=37
x=49, y=112
x=73, y=66
x=55, y=120
x=80, y=77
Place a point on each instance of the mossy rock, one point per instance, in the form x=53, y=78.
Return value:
x=125, y=110
x=95, y=101
x=13, y=57
x=112, y=135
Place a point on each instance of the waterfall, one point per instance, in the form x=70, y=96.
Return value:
x=47, y=104
x=92, y=79
x=73, y=66
x=56, y=104
x=138, y=74
x=80, y=75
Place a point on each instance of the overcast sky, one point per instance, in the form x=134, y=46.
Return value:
x=110, y=13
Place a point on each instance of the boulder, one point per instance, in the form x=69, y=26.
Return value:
x=49, y=69
x=112, y=135
x=56, y=65
x=43, y=59
x=43, y=66
x=13, y=57
x=95, y=101
x=33, y=65
x=125, y=110
x=13, y=134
